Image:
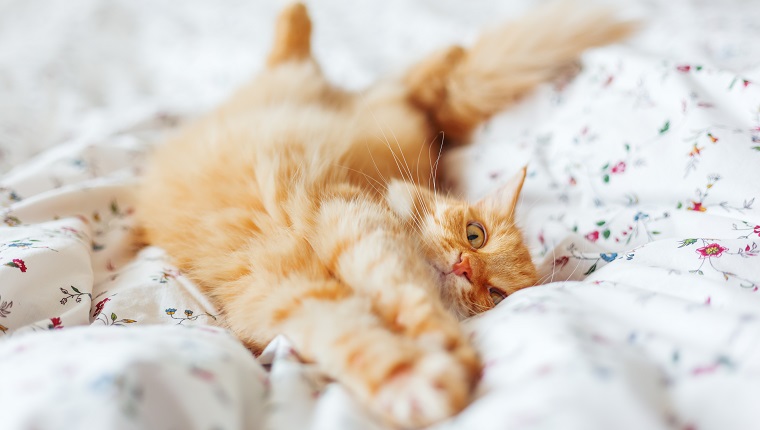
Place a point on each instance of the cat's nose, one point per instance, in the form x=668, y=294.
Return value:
x=463, y=267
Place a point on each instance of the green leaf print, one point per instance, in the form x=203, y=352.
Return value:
x=665, y=127
x=591, y=270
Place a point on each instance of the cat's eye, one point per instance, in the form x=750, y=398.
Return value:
x=496, y=295
x=476, y=235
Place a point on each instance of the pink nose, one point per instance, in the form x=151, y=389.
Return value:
x=463, y=268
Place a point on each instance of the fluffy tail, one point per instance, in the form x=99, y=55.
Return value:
x=461, y=88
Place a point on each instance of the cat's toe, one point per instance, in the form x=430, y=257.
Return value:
x=292, y=36
x=435, y=388
x=295, y=15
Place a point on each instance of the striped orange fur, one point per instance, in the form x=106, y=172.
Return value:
x=296, y=216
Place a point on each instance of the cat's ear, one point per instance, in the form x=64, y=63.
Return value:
x=504, y=199
x=409, y=200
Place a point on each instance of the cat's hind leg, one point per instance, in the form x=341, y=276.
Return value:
x=461, y=88
x=292, y=38
x=292, y=76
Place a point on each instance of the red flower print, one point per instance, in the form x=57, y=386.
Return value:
x=757, y=230
x=56, y=323
x=17, y=263
x=99, y=307
x=697, y=206
x=593, y=236
x=561, y=262
x=711, y=250
x=20, y=264
x=619, y=167
x=683, y=68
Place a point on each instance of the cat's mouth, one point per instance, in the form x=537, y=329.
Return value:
x=442, y=274
x=445, y=277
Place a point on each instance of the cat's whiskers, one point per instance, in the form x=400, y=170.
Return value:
x=577, y=265
x=384, y=182
x=434, y=168
x=396, y=159
x=382, y=187
x=388, y=145
x=425, y=208
x=403, y=158
x=365, y=105
x=554, y=264
x=419, y=156
x=545, y=277
x=417, y=222
x=408, y=177
x=418, y=216
x=475, y=308
x=424, y=205
x=377, y=169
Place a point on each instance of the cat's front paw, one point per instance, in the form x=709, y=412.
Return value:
x=435, y=387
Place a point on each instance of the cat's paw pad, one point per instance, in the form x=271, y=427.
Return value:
x=436, y=387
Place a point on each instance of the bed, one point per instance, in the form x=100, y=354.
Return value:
x=640, y=210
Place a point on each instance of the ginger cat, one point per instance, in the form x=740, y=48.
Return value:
x=304, y=210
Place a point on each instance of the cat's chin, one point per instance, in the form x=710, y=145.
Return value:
x=450, y=280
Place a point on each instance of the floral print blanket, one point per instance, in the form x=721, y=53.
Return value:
x=640, y=207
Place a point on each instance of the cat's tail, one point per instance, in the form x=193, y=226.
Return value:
x=461, y=88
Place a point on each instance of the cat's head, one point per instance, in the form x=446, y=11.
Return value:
x=476, y=250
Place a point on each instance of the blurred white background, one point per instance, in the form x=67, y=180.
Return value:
x=70, y=68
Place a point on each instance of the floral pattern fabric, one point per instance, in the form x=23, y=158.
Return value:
x=640, y=208
x=147, y=377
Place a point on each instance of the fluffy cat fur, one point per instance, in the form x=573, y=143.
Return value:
x=305, y=210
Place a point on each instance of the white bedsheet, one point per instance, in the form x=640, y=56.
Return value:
x=639, y=205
